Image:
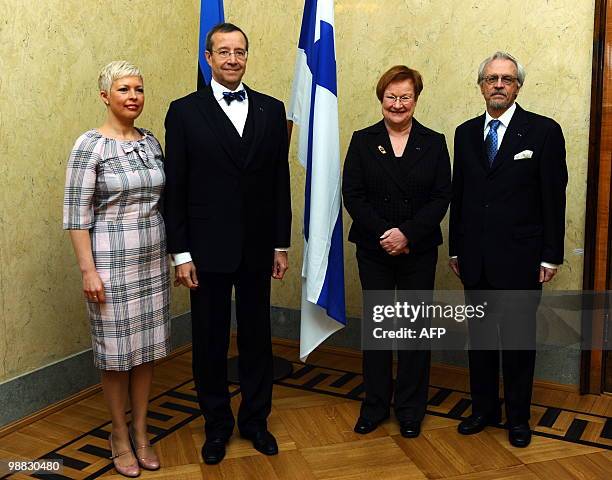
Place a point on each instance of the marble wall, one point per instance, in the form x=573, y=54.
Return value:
x=51, y=51
x=445, y=41
x=50, y=54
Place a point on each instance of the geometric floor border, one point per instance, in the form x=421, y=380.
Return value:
x=177, y=407
x=169, y=411
x=557, y=423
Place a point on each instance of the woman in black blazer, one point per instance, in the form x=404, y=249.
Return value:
x=396, y=187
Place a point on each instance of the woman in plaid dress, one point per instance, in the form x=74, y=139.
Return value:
x=114, y=181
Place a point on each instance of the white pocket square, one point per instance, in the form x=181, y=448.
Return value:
x=523, y=154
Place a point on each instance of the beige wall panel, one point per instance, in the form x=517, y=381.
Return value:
x=51, y=51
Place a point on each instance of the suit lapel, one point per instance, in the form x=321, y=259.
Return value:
x=380, y=146
x=398, y=168
x=514, y=133
x=478, y=142
x=216, y=119
x=416, y=147
x=257, y=114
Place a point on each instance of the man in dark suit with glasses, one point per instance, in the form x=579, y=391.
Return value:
x=228, y=219
x=507, y=227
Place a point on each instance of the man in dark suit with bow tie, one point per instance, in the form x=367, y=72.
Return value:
x=228, y=220
x=507, y=227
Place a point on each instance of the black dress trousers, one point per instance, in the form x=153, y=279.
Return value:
x=211, y=318
x=381, y=271
x=510, y=324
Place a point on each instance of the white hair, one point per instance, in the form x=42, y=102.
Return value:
x=520, y=70
x=115, y=70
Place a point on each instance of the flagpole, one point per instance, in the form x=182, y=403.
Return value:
x=314, y=108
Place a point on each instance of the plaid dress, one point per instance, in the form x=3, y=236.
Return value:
x=113, y=189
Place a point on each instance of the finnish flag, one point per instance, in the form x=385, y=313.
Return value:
x=314, y=108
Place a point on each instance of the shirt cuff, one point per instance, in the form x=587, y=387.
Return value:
x=180, y=258
x=452, y=257
x=549, y=265
x=281, y=249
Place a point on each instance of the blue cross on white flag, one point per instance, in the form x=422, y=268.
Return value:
x=314, y=108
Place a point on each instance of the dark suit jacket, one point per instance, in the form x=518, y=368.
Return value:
x=507, y=219
x=221, y=205
x=382, y=192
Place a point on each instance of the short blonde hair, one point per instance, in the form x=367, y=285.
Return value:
x=115, y=70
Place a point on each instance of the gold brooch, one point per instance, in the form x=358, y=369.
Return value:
x=382, y=150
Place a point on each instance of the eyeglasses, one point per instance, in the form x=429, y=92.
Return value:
x=238, y=54
x=404, y=99
x=505, y=79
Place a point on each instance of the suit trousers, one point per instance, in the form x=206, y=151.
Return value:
x=510, y=323
x=381, y=271
x=211, y=320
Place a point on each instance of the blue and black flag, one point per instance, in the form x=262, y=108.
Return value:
x=211, y=13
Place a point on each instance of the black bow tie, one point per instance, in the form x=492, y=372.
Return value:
x=229, y=97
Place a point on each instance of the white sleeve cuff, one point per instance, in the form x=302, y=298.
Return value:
x=180, y=258
x=549, y=265
x=281, y=249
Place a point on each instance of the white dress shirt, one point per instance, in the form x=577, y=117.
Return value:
x=501, y=131
x=502, y=127
x=237, y=112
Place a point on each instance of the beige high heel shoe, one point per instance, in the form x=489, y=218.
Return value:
x=131, y=471
x=148, y=463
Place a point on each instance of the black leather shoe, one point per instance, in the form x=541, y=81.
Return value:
x=263, y=442
x=519, y=435
x=410, y=429
x=213, y=450
x=475, y=423
x=364, y=425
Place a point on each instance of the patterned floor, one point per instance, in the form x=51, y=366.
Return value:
x=177, y=407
